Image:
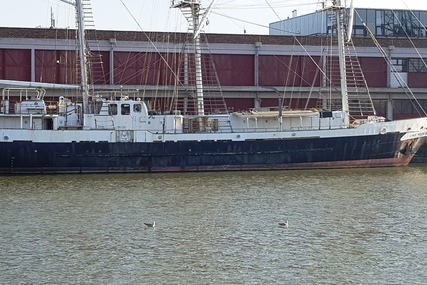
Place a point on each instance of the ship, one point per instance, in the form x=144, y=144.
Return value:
x=119, y=134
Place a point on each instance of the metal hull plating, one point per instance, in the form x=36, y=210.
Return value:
x=185, y=156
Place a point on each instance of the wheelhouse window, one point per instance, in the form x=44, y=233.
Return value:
x=137, y=108
x=112, y=109
x=125, y=109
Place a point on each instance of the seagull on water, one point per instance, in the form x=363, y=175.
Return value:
x=285, y=224
x=150, y=225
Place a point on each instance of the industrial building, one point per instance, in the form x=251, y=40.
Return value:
x=381, y=22
x=253, y=71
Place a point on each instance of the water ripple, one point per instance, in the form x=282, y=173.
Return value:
x=345, y=227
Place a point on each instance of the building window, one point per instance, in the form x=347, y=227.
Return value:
x=409, y=106
x=400, y=23
x=400, y=64
x=417, y=65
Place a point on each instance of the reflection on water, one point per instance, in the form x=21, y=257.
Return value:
x=345, y=227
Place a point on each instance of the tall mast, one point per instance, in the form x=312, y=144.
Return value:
x=198, y=59
x=82, y=52
x=339, y=12
x=191, y=10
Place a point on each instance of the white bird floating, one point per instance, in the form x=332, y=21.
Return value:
x=150, y=225
x=285, y=224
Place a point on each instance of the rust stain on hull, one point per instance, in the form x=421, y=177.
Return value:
x=390, y=162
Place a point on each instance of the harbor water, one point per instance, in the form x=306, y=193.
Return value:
x=351, y=226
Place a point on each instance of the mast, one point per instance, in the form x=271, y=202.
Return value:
x=198, y=59
x=339, y=10
x=82, y=55
x=82, y=52
x=191, y=10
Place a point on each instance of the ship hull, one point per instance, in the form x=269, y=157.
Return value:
x=189, y=156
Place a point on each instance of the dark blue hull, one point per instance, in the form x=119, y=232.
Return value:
x=80, y=157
